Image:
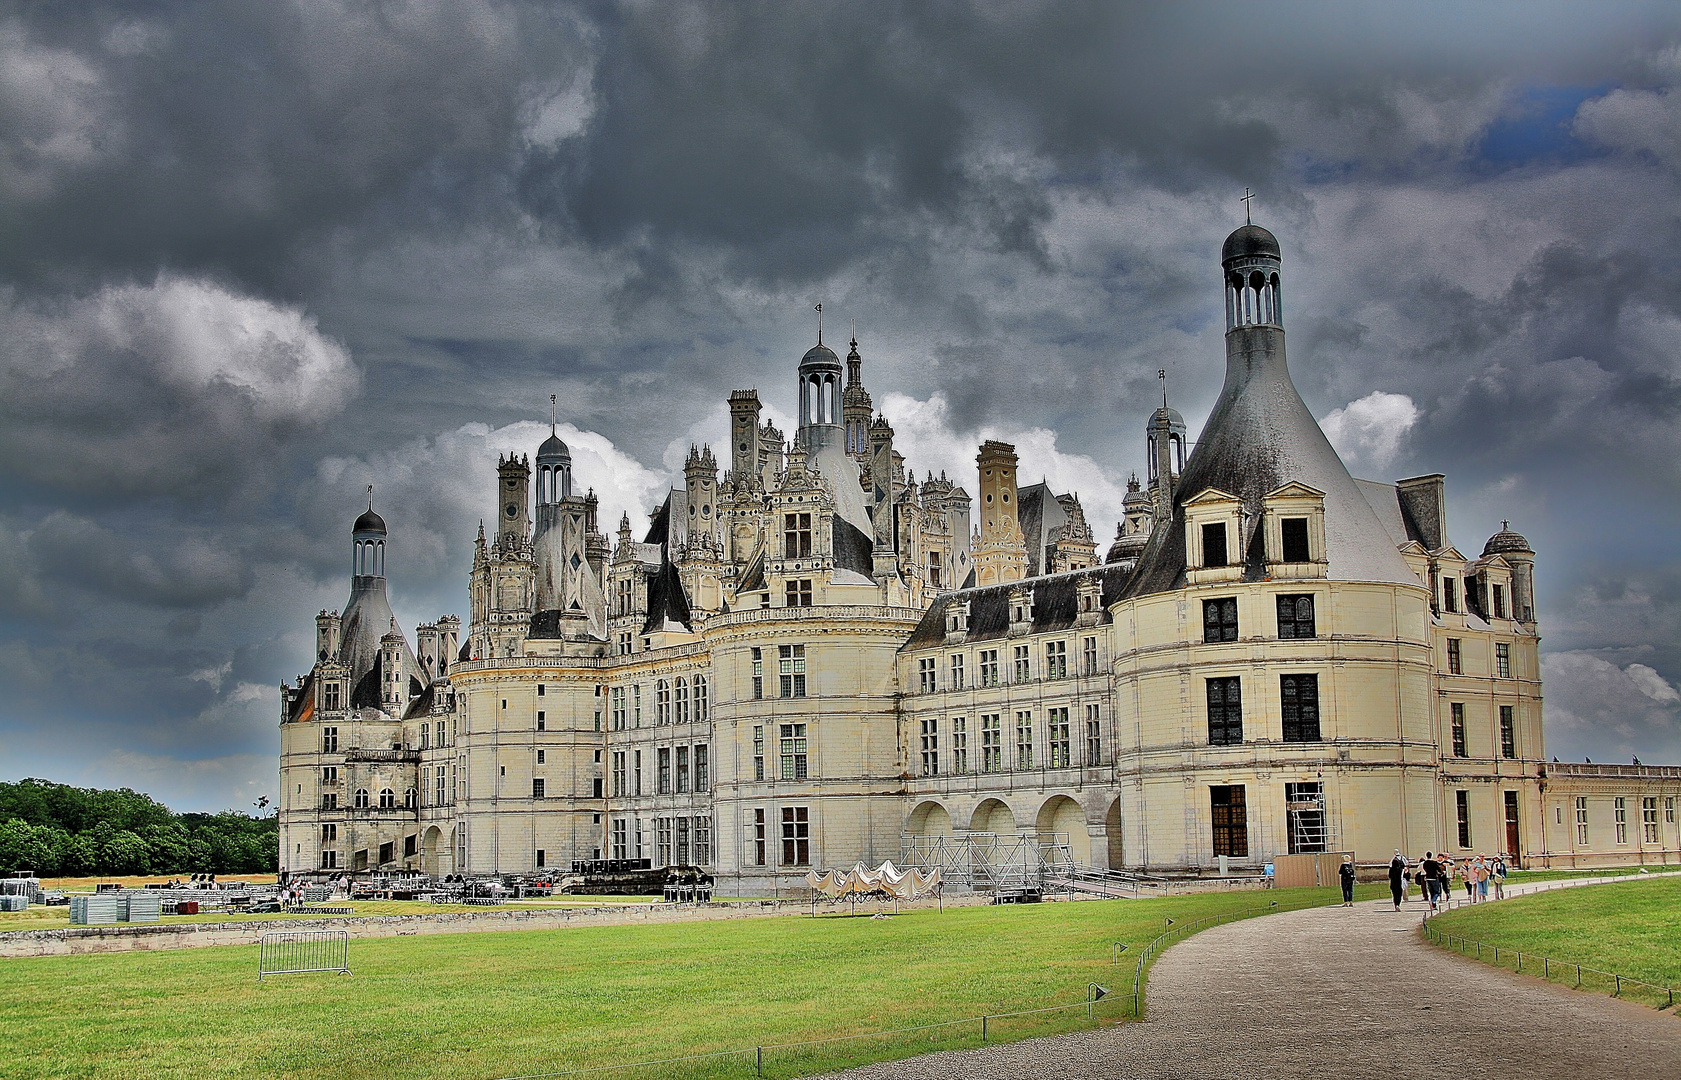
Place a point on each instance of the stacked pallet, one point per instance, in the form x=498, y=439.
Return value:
x=140, y=906
x=14, y=903
x=100, y=909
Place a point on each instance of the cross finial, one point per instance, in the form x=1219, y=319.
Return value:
x=1247, y=195
x=1161, y=374
x=1505, y=525
x=553, y=405
x=855, y=331
x=370, y=496
x=819, y=324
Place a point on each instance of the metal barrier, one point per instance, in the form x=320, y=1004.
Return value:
x=293, y=952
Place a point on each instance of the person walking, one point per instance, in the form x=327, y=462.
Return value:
x=1500, y=876
x=1345, y=872
x=1398, y=878
x=1483, y=874
x=1432, y=880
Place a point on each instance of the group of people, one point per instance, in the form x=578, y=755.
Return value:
x=1435, y=874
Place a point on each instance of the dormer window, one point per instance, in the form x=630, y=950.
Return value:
x=1498, y=597
x=1450, y=594
x=1214, y=544
x=1213, y=537
x=1293, y=532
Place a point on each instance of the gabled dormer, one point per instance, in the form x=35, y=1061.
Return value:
x=1213, y=537
x=1448, y=581
x=1021, y=610
x=1088, y=601
x=1293, y=524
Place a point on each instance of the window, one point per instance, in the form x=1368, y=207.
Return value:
x=992, y=743
x=330, y=832
x=387, y=799
x=927, y=676
x=662, y=840
x=1094, y=736
x=1023, y=666
x=796, y=836
x=957, y=671
x=536, y=787
x=1649, y=819
x=1295, y=617
x=1450, y=595
x=1581, y=821
x=682, y=841
x=1225, y=712
x=703, y=841
x=1502, y=660
x=1499, y=594
x=701, y=705
x=329, y=740
x=1219, y=619
x=934, y=569
x=621, y=839
x=930, y=746
x=1230, y=818
x=1058, y=739
x=620, y=774
x=1508, y=733
x=1024, y=739
x=703, y=768
x=540, y=689
x=793, y=752
x=621, y=715
x=1304, y=807
x=439, y=792
x=329, y=774
x=758, y=752
x=663, y=776
x=625, y=595
x=1299, y=705
x=960, y=744
x=1457, y=712
x=426, y=736
x=680, y=701
x=682, y=770
x=1294, y=535
x=1462, y=811
x=758, y=673
x=796, y=536
x=541, y=756
x=1455, y=665
x=1669, y=810
x=791, y=668
x=1056, y=659
x=411, y=798
x=360, y=799
x=636, y=705
x=542, y=721
x=1214, y=544
x=989, y=667
x=1089, y=656
x=758, y=838
x=331, y=700
x=1619, y=816
x=662, y=702
x=329, y=860
x=798, y=592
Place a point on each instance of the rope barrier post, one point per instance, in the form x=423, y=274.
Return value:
x=1578, y=976
x=983, y=1029
x=1619, y=979
x=759, y=1061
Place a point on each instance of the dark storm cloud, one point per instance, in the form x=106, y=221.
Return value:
x=257, y=257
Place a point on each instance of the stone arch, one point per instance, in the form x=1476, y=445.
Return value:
x=929, y=819
x=1062, y=815
x=432, y=851
x=1113, y=820
x=992, y=816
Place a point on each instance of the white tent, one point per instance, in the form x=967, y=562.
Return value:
x=886, y=879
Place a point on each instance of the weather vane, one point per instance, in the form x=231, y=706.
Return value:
x=370, y=496
x=819, y=324
x=552, y=406
x=1247, y=195
x=1161, y=373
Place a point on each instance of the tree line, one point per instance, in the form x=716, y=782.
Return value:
x=61, y=831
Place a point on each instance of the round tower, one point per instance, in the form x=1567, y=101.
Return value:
x=820, y=385
x=391, y=674
x=367, y=543
x=1252, y=260
x=1516, y=551
x=554, y=471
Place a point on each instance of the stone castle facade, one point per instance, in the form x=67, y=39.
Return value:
x=810, y=659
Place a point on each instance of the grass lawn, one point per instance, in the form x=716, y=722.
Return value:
x=1630, y=928
x=41, y=917
x=482, y=1005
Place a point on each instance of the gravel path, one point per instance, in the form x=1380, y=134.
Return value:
x=1341, y=993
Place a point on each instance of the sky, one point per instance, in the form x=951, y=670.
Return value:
x=256, y=257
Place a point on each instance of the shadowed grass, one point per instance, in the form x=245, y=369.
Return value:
x=493, y=1004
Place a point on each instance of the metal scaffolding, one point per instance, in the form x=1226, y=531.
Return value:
x=990, y=862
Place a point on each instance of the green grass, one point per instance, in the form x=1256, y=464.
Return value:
x=1629, y=928
x=483, y=1005
x=41, y=917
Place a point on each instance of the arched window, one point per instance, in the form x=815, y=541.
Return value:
x=410, y=798
x=700, y=699
x=360, y=800
x=682, y=700
x=387, y=799
x=662, y=702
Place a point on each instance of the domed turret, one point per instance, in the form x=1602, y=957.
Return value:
x=1506, y=542
x=553, y=450
x=367, y=544
x=554, y=472
x=1249, y=241
x=370, y=523
x=1251, y=259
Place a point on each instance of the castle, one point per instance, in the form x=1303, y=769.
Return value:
x=813, y=660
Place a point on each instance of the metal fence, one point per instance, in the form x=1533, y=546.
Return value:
x=1571, y=973
x=293, y=952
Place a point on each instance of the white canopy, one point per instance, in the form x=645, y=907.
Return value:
x=886, y=878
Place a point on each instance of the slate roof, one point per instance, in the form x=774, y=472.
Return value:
x=1056, y=599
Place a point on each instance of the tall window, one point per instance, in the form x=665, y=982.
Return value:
x=1294, y=535
x=1508, y=733
x=1088, y=651
x=680, y=700
x=329, y=774
x=1649, y=819
x=1499, y=597
x=796, y=836
x=1056, y=659
x=636, y=705
x=360, y=799
x=992, y=743
x=1619, y=817
x=1669, y=810
x=1450, y=594
x=1214, y=544
x=1219, y=619
x=934, y=569
x=1225, y=711
x=1023, y=666
x=682, y=825
x=1230, y=818
x=759, y=839
x=636, y=773
x=1024, y=739
x=537, y=787
x=930, y=746
x=798, y=592
x=682, y=770
x=701, y=705
x=758, y=752
x=927, y=675
x=540, y=720
x=703, y=768
x=796, y=536
x=662, y=839
x=330, y=832
x=625, y=595
x=1462, y=811
x=703, y=841
x=619, y=773
x=758, y=673
x=329, y=740
x=959, y=744
x=621, y=715
x=1502, y=660
x=1457, y=712
x=1295, y=617
x=1058, y=738
x=1094, y=736
x=663, y=776
x=439, y=793
x=330, y=697
x=662, y=702
x=957, y=671
x=1455, y=664
x=791, y=668
x=620, y=839
x=989, y=667
x=793, y=752
x=1299, y=705
x=1581, y=821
